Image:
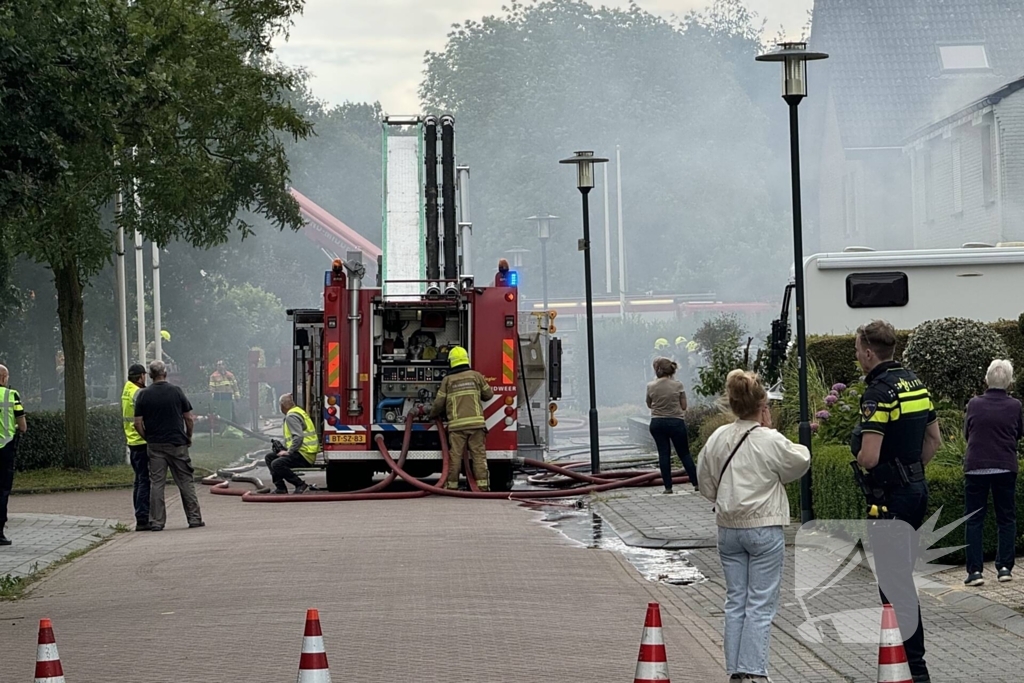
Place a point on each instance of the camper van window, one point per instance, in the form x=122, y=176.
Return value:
x=877, y=290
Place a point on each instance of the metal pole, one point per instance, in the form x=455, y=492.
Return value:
x=140, y=286
x=806, y=501
x=122, y=295
x=595, y=446
x=157, y=322
x=622, y=248
x=544, y=270
x=607, y=237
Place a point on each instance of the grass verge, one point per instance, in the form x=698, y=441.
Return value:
x=14, y=587
x=55, y=480
x=207, y=456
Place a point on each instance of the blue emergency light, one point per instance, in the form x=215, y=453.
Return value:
x=513, y=278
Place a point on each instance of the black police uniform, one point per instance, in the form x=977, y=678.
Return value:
x=897, y=405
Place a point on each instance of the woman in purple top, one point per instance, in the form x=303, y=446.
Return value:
x=993, y=427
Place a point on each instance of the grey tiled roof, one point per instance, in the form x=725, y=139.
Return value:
x=884, y=70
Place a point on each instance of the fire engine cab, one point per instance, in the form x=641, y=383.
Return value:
x=374, y=355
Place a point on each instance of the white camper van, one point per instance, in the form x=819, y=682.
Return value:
x=845, y=290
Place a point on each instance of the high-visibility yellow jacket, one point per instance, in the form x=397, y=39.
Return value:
x=224, y=383
x=128, y=414
x=310, y=444
x=461, y=395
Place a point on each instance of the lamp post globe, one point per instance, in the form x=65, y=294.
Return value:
x=584, y=162
x=794, y=57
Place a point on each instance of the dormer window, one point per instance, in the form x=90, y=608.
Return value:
x=963, y=58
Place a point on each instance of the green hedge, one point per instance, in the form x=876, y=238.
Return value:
x=835, y=356
x=45, y=442
x=836, y=496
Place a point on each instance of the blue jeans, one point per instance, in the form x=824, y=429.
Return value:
x=752, y=560
x=140, y=491
x=1004, y=489
x=669, y=431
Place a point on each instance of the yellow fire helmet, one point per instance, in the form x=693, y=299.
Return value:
x=165, y=335
x=680, y=340
x=661, y=344
x=458, y=356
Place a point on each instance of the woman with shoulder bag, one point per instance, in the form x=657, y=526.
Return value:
x=743, y=468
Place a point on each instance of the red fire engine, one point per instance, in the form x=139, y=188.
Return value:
x=374, y=355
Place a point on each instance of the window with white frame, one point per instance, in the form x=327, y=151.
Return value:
x=963, y=57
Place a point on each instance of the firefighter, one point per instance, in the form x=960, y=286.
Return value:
x=224, y=388
x=139, y=455
x=461, y=395
x=12, y=426
x=301, y=445
x=897, y=436
x=151, y=349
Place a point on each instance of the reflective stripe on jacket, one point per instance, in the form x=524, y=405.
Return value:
x=223, y=383
x=310, y=441
x=128, y=414
x=460, y=396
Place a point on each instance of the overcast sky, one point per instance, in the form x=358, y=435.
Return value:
x=370, y=50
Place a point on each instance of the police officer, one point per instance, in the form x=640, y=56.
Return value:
x=138, y=454
x=897, y=436
x=461, y=396
x=12, y=426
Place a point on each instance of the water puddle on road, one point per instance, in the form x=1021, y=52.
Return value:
x=589, y=529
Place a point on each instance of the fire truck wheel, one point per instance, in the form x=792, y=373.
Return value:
x=348, y=476
x=500, y=473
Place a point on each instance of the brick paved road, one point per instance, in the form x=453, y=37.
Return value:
x=42, y=539
x=421, y=590
x=962, y=644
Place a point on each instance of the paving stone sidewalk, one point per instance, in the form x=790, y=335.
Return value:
x=40, y=540
x=835, y=633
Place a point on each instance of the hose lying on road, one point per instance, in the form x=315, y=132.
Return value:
x=374, y=492
x=605, y=481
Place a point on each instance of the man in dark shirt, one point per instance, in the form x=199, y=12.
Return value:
x=163, y=417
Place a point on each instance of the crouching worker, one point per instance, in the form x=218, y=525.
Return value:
x=301, y=444
x=461, y=395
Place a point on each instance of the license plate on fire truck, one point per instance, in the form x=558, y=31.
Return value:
x=346, y=438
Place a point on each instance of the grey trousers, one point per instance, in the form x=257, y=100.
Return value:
x=161, y=457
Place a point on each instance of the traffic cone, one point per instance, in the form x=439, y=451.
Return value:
x=651, y=663
x=313, y=661
x=892, y=658
x=48, y=668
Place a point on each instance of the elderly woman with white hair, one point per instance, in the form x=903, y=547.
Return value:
x=993, y=426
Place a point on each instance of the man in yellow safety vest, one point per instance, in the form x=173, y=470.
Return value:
x=461, y=395
x=301, y=447
x=139, y=456
x=12, y=426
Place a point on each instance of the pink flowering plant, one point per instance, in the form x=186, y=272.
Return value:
x=840, y=413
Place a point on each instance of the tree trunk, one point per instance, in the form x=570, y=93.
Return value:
x=42, y=320
x=71, y=311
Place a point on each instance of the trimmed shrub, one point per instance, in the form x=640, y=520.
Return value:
x=44, y=443
x=951, y=356
x=836, y=356
x=836, y=496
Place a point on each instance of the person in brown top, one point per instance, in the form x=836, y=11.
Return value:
x=461, y=396
x=666, y=397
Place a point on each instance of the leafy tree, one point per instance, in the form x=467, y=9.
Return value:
x=544, y=79
x=177, y=102
x=724, y=330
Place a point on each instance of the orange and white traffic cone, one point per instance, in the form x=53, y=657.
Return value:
x=651, y=663
x=892, y=657
x=313, y=661
x=48, y=668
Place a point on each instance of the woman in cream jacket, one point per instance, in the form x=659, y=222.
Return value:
x=743, y=469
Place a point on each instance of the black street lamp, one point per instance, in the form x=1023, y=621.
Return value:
x=794, y=58
x=543, y=222
x=585, y=182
